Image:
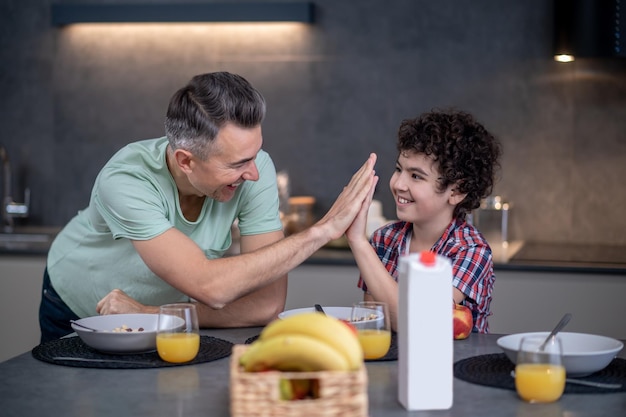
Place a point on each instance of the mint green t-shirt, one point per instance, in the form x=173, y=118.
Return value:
x=135, y=198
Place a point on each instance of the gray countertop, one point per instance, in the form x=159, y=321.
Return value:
x=29, y=387
x=28, y=240
x=526, y=256
x=516, y=256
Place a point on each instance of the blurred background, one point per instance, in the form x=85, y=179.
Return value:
x=337, y=89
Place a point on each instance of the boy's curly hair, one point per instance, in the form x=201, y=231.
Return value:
x=465, y=152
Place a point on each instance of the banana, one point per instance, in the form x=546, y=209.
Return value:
x=243, y=359
x=293, y=352
x=326, y=329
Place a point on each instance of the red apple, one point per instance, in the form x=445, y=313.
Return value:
x=350, y=326
x=301, y=388
x=295, y=389
x=462, y=321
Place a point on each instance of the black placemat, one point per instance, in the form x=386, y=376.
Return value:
x=494, y=370
x=211, y=348
x=392, y=354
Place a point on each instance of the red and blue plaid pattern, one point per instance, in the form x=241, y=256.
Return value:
x=462, y=243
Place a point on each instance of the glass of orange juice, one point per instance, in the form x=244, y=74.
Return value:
x=539, y=371
x=371, y=319
x=178, y=334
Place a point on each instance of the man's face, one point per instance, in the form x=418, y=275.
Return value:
x=229, y=164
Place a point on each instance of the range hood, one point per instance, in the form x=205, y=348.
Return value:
x=589, y=28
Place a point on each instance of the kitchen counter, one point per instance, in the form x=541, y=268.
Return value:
x=569, y=257
x=28, y=240
x=525, y=256
x=516, y=256
x=29, y=387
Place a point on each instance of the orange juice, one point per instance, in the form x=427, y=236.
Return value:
x=539, y=382
x=178, y=347
x=375, y=343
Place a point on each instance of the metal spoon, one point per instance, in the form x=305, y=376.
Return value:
x=587, y=383
x=564, y=320
x=319, y=308
x=83, y=326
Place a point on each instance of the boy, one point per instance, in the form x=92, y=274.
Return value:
x=446, y=165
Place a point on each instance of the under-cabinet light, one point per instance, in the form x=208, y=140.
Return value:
x=66, y=14
x=564, y=58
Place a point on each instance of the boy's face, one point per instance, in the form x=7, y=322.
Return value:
x=416, y=192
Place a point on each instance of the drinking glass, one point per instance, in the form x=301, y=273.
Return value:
x=371, y=319
x=539, y=372
x=178, y=335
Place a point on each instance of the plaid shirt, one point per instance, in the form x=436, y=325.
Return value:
x=472, y=263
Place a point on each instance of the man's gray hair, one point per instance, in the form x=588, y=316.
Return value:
x=199, y=110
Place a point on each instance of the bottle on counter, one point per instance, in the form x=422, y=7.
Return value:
x=425, y=335
x=375, y=218
x=301, y=214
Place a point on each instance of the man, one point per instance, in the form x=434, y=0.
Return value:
x=159, y=218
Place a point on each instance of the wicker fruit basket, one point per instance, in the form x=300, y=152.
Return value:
x=256, y=394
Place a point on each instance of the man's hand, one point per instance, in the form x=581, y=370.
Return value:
x=118, y=302
x=354, y=197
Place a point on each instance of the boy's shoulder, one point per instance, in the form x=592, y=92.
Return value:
x=466, y=234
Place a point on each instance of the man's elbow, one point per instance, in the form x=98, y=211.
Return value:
x=263, y=312
x=214, y=301
x=271, y=312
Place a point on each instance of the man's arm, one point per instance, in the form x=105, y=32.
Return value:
x=255, y=309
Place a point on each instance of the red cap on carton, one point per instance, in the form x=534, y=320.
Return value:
x=428, y=258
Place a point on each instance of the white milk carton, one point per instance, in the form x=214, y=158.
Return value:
x=425, y=351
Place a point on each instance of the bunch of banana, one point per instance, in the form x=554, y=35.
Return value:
x=304, y=342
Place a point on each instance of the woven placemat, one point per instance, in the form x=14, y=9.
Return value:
x=392, y=354
x=494, y=370
x=211, y=348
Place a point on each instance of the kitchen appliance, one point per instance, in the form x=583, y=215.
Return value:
x=300, y=214
x=492, y=220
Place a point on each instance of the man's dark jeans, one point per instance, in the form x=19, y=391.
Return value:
x=54, y=314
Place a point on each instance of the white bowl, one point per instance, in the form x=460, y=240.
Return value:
x=341, y=313
x=106, y=339
x=583, y=353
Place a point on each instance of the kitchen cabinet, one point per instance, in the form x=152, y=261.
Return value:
x=525, y=301
x=328, y=285
x=20, y=287
x=522, y=300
